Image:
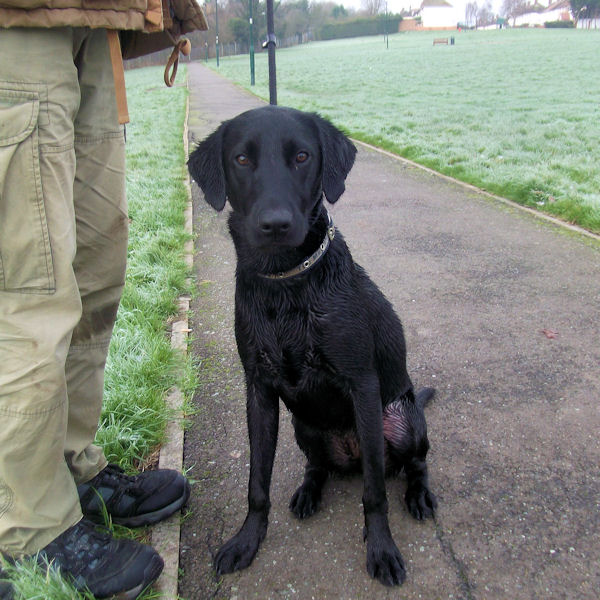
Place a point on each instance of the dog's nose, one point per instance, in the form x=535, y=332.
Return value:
x=275, y=222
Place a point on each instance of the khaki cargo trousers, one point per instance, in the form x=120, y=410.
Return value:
x=63, y=245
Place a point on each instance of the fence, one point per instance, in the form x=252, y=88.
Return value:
x=207, y=50
x=588, y=23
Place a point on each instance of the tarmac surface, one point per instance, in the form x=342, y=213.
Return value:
x=501, y=311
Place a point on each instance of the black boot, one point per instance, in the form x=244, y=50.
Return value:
x=134, y=501
x=94, y=560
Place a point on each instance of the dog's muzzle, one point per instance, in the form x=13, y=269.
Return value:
x=310, y=261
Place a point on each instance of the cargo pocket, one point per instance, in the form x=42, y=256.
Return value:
x=25, y=255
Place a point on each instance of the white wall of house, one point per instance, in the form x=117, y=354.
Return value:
x=440, y=16
x=533, y=19
x=538, y=19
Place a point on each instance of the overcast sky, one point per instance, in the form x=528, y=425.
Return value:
x=395, y=6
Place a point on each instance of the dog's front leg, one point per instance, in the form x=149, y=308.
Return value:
x=263, y=422
x=384, y=561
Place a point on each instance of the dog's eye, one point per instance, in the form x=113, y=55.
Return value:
x=301, y=157
x=242, y=160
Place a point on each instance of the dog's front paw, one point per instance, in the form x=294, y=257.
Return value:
x=239, y=551
x=305, y=502
x=235, y=555
x=384, y=563
x=420, y=501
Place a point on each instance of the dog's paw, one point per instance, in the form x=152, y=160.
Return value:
x=421, y=502
x=385, y=563
x=234, y=556
x=305, y=502
x=237, y=553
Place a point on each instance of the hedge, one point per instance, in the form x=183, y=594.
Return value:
x=359, y=27
x=559, y=24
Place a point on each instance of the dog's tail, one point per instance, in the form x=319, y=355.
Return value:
x=424, y=396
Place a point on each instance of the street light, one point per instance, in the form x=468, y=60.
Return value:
x=217, y=30
x=386, y=36
x=251, y=46
x=270, y=45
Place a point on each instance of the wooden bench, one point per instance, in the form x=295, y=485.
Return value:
x=437, y=41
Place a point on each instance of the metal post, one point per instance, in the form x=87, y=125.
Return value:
x=271, y=42
x=217, y=30
x=251, y=46
x=386, y=35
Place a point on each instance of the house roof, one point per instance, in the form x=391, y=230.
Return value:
x=566, y=4
x=435, y=3
x=536, y=7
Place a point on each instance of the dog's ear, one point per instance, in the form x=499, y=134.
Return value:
x=205, y=165
x=338, y=154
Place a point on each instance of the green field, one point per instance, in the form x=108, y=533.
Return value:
x=515, y=112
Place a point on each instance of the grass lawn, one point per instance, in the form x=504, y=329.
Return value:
x=141, y=366
x=515, y=112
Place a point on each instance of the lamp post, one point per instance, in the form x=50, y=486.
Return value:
x=270, y=44
x=386, y=35
x=217, y=30
x=251, y=45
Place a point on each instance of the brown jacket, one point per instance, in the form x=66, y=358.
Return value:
x=180, y=16
x=143, y=26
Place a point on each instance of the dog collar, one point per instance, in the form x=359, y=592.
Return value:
x=312, y=260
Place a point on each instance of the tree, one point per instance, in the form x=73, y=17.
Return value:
x=239, y=29
x=326, y=12
x=485, y=15
x=293, y=19
x=373, y=7
x=238, y=12
x=511, y=9
x=471, y=14
x=585, y=9
x=339, y=11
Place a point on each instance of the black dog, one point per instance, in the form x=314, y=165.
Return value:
x=311, y=329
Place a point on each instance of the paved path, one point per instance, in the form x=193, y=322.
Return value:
x=514, y=428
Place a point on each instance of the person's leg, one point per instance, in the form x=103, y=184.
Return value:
x=102, y=227
x=40, y=307
x=39, y=296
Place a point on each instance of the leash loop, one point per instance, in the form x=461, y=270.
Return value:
x=183, y=46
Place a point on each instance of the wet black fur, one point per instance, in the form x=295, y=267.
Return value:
x=326, y=342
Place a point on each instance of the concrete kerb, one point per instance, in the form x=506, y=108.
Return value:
x=166, y=535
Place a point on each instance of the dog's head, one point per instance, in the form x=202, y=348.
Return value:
x=273, y=164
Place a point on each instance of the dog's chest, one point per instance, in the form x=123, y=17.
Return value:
x=289, y=351
x=289, y=366
x=307, y=384
x=288, y=348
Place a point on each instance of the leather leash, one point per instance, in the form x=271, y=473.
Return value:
x=183, y=46
x=116, y=59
